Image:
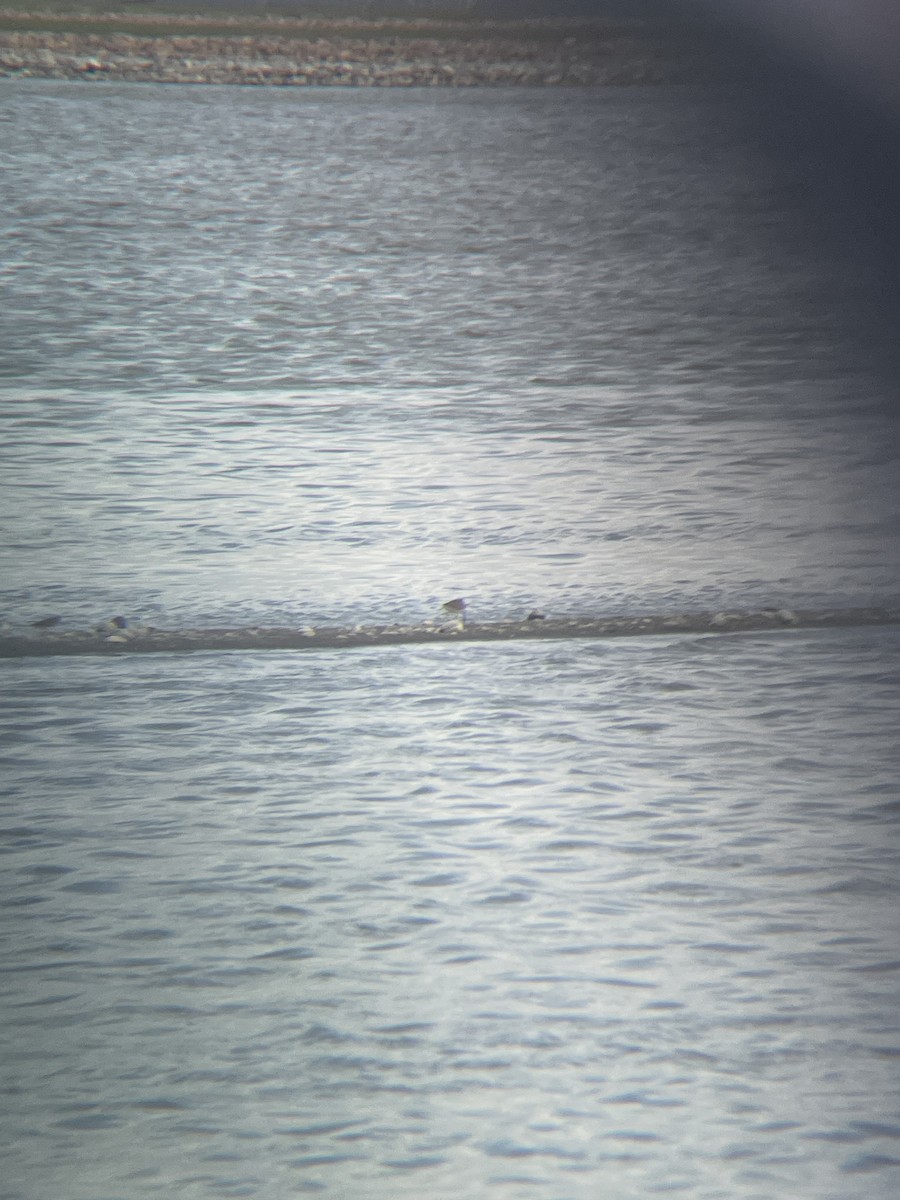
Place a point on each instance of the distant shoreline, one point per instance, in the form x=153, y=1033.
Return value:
x=350, y=52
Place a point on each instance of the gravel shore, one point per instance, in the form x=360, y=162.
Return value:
x=345, y=54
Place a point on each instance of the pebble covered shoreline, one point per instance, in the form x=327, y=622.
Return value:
x=344, y=54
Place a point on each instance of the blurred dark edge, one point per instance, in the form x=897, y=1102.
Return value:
x=817, y=86
x=817, y=83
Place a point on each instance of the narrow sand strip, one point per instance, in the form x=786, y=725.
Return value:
x=139, y=640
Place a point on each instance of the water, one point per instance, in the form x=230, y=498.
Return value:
x=292, y=356
x=549, y=920
x=539, y=920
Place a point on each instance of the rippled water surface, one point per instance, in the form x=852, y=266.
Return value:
x=324, y=355
x=534, y=921
x=553, y=920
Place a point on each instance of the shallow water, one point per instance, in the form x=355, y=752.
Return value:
x=552, y=920
x=300, y=356
x=548, y=920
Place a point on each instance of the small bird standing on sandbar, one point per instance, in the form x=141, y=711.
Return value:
x=456, y=608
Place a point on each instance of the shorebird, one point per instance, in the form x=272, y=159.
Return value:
x=456, y=608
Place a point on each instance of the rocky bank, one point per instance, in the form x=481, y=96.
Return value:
x=289, y=57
